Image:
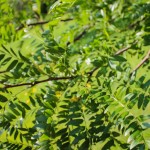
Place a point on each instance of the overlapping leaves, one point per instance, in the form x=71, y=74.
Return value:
x=72, y=87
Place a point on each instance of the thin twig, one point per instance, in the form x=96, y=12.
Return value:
x=77, y=38
x=65, y=20
x=40, y=23
x=125, y=49
x=92, y=71
x=80, y=36
x=142, y=62
x=37, y=23
x=31, y=24
x=37, y=82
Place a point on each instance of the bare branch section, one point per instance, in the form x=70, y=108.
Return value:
x=125, y=49
x=41, y=81
x=142, y=62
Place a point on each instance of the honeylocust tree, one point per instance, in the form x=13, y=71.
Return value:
x=74, y=74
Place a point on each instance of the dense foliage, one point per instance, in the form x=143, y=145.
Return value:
x=74, y=74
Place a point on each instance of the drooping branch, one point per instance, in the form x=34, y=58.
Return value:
x=37, y=82
x=142, y=62
x=125, y=49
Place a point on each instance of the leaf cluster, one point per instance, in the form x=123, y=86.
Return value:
x=74, y=75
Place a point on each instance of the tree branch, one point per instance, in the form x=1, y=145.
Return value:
x=125, y=49
x=37, y=82
x=142, y=62
x=72, y=77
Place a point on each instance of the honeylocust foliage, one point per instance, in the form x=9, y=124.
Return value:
x=74, y=74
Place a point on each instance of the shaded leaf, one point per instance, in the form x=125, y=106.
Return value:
x=3, y=98
x=25, y=105
x=75, y=122
x=2, y=56
x=12, y=65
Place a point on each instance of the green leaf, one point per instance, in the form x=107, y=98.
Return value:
x=112, y=105
x=11, y=131
x=12, y=65
x=140, y=100
x=15, y=111
x=2, y=56
x=5, y=48
x=133, y=136
x=146, y=124
x=6, y=60
x=143, y=118
x=108, y=145
x=32, y=101
x=77, y=130
x=74, y=115
x=60, y=132
x=129, y=96
x=3, y=98
x=134, y=143
x=112, y=64
x=25, y=105
x=10, y=116
x=13, y=52
x=21, y=109
x=80, y=137
x=23, y=57
x=57, y=3
x=75, y=122
x=119, y=58
x=23, y=129
x=16, y=134
x=21, y=139
x=18, y=66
